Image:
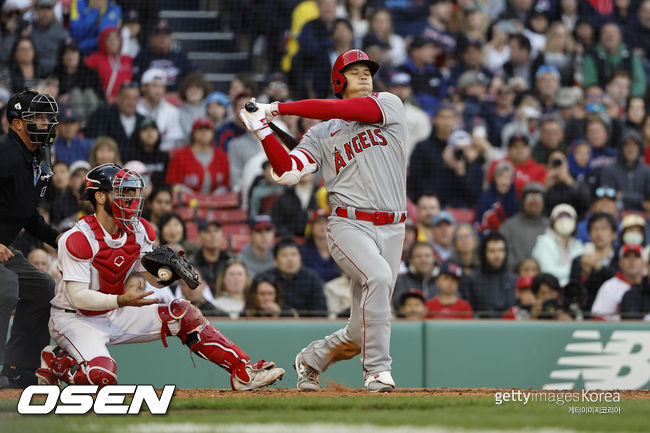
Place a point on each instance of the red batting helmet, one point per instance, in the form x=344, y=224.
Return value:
x=345, y=60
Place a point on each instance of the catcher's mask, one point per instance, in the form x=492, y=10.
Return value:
x=127, y=187
x=38, y=111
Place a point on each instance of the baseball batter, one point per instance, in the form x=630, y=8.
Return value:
x=99, y=301
x=360, y=151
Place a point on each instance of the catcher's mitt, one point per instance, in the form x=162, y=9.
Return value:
x=168, y=266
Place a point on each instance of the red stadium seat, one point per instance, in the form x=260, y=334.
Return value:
x=238, y=241
x=235, y=229
x=228, y=216
x=218, y=201
x=192, y=232
x=462, y=215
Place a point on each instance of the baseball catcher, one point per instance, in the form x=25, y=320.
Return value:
x=104, y=262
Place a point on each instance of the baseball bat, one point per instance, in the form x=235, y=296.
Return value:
x=284, y=137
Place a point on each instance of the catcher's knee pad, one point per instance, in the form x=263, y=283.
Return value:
x=201, y=337
x=101, y=371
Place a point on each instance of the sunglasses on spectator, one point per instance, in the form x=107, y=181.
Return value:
x=604, y=191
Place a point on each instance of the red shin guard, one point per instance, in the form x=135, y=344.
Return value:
x=203, y=338
x=100, y=370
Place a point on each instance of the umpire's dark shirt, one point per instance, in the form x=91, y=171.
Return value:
x=19, y=196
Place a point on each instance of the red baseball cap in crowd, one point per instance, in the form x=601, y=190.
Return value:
x=630, y=248
x=261, y=222
x=201, y=123
x=525, y=282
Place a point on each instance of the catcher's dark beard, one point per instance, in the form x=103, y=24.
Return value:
x=108, y=207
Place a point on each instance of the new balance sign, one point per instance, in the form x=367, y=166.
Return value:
x=594, y=362
x=80, y=399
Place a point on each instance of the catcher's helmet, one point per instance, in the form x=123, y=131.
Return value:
x=343, y=61
x=127, y=187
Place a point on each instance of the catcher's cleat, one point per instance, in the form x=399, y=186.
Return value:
x=261, y=374
x=380, y=382
x=307, y=376
x=45, y=375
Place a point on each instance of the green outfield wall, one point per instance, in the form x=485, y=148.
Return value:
x=550, y=355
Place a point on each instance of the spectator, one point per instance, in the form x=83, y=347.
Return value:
x=262, y=192
x=635, y=113
x=551, y=138
x=561, y=187
x=200, y=167
x=130, y=32
x=429, y=86
x=265, y=299
x=597, y=132
x=79, y=86
x=568, y=101
x=517, y=71
x=113, y=68
x=148, y=152
x=499, y=201
x=548, y=298
x=558, y=53
x=211, y=258
x=617, y=93
x=160, y=203
x=291, y=210
x=579, y=158
x=47, y=34
x=216, y=108
x=62, y=198
x=154, y=106
x=417, y=121
x=610, y=55
x=632, y=230
x=599, y=260
x=499, y=113
x=258, y=254
x=342, y=37
x=426, y=162
x=521, y=230
x=526, y=169
x=472, y=88
x=420, y=275
x=69, y=146
x=557, y=247
x=173, y=234
x=428, y=206
x=301, y=287
x=159, y=55
x=381, y=27
x=104, y=151
x=442, y=229
x=315, y=253
x=608, y=300
x=471, y=59
x=88, y=18
x=603, y=200
x=119, y=120
x=491, y=289
x=465, y=250
x=629, y=175
x=636, y=302
x=525, y=300
x=201, y=297
x=447, y=305
x=40, y=259
x=526, y=120
x=24, y=68
x=13, y=26
x=311, y=66
x=527, y=266
x=232, y=288
x=547, y=83
x=193, y=90
x=240, y=147
x=412, y=305
x=496, y=51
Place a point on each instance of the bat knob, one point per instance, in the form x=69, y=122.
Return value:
x=250, y=107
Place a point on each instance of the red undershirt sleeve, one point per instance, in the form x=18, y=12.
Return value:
x=278, y=156
x=363, y=109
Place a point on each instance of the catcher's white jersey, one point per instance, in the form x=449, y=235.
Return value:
x=104, y=262
x=363, y=165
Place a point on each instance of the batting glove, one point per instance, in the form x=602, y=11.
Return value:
x=271, y=110
x=256, y=123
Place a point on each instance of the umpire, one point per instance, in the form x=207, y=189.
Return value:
x=24, y=174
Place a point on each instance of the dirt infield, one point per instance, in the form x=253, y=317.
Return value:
x=335, y=390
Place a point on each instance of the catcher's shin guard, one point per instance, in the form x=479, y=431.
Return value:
x=57, y=365
x=203, y=338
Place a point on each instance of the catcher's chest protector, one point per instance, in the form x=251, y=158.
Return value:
x=113, y=263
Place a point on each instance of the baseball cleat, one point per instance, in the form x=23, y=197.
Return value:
x=261, y=374
x=45, y=375
x=307, y=376
x=380, y=382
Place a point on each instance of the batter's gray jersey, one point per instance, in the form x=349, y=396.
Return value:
x=363, y=165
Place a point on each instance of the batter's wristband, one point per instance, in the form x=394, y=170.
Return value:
x=263, y=133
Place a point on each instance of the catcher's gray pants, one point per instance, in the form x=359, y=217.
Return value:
x=370, y=255
x=29, y=290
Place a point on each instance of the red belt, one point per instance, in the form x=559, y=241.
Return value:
x=377, y=218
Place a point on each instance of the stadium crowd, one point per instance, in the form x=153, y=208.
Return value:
x=528, y=148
